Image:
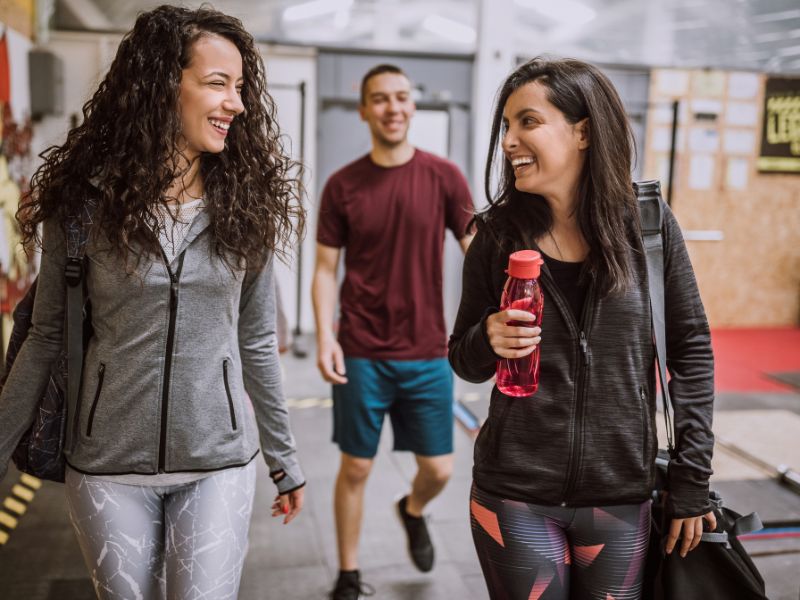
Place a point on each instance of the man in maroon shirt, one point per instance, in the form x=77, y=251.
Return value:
x=389, y=210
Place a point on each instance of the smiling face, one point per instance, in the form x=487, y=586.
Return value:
x=210, y=95
x=388, y=108
x=546, y=151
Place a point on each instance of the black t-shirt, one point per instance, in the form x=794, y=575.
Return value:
x=567, y=277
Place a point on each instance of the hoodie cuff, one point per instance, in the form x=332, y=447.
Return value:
x=687, y=499
x=291, y=480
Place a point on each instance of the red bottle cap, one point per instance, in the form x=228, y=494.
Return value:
x=525, y=264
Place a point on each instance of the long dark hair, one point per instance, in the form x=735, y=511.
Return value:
x=125, y=154
x=606, y=199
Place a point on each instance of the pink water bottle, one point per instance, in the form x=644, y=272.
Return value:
x=520, y=376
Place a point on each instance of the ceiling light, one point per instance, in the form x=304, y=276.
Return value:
x=449, y=29
x=777, y=36
x=565, y=12
x=776, y=16
x=317, y=8
x=791, y=51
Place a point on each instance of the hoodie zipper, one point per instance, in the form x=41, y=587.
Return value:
x=583, y=356
x=174, y=279
x=584, y=360
x=228, y=393
x=643, y=397
x=100, y=375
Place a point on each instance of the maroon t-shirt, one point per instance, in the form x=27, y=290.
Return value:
x=391, y=222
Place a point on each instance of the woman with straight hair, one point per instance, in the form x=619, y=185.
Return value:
x=560, y=502
x=179, y=166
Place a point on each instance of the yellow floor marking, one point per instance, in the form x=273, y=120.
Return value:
x=306, y=403
x=15, y=506
x=20, y=491
x=6, y=520
x=3, y=537
x=302, y=403
x=31, y=481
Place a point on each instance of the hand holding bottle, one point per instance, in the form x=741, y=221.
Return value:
x=512, y=333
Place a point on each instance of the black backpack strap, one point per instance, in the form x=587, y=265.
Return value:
x=652, y=220
x=77, y=231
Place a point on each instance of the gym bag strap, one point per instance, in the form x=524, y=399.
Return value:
x=652, y=221
x=77, y=231
x=40, y=450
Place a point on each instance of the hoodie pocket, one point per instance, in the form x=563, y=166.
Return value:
x=228, y=393
x=100, y=374
x=643, y=398
x=506, y=403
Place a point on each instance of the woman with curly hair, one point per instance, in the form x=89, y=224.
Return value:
x=179, y=165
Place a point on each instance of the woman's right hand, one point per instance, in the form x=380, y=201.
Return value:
x=512, y=341
x=288, y=505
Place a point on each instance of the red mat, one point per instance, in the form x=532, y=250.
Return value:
x=743, y=357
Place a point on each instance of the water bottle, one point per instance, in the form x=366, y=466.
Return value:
x=520, y=376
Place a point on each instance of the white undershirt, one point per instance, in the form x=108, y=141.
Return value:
x=172, y=231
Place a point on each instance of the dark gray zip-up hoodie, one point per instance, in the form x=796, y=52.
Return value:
x=174, y=350
x=587, y=437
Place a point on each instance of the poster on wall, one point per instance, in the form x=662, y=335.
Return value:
x=780, y=139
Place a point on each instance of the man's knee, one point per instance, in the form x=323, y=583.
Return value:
x=436, y=469
x=354, y=470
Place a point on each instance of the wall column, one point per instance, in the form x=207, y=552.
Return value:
x=494, y=60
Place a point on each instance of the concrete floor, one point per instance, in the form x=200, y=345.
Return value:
x=41, y=561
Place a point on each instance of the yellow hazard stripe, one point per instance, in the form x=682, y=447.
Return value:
x=22, y=492
x=30, y=481
x=15, y=506
x=6, y=520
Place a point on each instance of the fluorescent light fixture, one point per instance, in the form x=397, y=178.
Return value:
x=565, y=12
x=790, y=51
x=450, y=29
x=316, y=8
x=776, y=16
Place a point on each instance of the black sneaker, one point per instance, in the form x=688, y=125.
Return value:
x=420, y=548
x=350, y=587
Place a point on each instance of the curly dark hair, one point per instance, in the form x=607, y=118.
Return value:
x=607, y=205
x=125, y=154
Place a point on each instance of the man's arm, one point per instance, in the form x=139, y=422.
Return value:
x=465, y=241
x=330, y=358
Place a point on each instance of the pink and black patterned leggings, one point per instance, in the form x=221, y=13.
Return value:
x=533, y=552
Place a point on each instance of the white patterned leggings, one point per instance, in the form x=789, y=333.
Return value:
x=176, y=542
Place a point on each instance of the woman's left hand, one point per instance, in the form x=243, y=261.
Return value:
x=288, y=504
x=691, y=530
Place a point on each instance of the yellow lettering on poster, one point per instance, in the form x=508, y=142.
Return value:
x=783, y=122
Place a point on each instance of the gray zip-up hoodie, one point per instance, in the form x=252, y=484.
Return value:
x=175, y=348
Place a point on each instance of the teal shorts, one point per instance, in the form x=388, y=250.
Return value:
x=417, y=395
